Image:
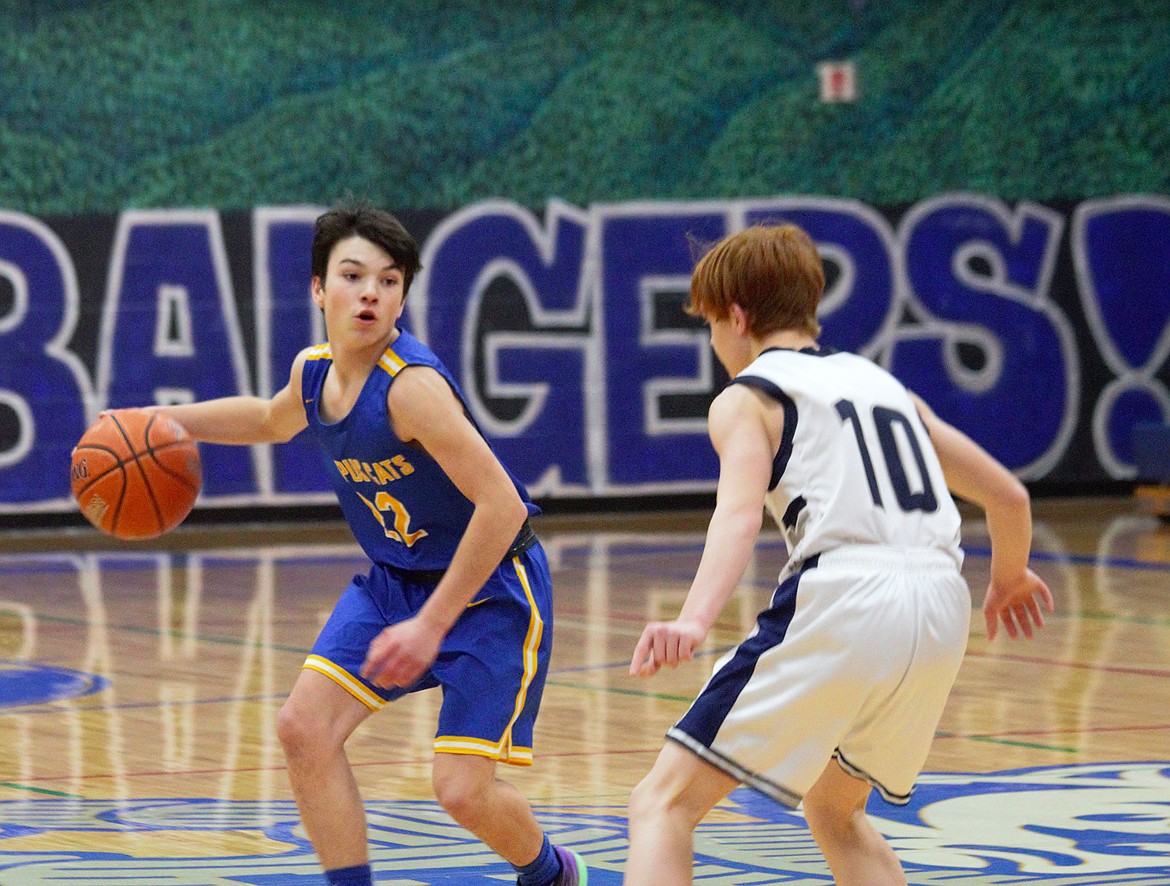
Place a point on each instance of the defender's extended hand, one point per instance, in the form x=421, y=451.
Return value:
x=665, y=643
x=1017, y=604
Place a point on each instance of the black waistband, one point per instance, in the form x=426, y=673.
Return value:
x=525, y=539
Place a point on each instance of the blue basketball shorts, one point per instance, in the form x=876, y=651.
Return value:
x=491, y=667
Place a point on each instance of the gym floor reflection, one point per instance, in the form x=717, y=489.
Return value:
x=139, y=687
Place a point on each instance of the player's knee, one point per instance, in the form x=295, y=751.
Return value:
x=822, y=818
x=654, y=797
x=639, y=803
x=289, y=729
x=831, y=817
x=462, y=797
x=296, y=730
x=833, y=803
x=645, y=799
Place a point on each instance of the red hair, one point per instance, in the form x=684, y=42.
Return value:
x=773, y=272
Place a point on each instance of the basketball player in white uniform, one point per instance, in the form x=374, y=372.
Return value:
x=840, y=686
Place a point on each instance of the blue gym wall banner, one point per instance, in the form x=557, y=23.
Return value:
x=1038, y=329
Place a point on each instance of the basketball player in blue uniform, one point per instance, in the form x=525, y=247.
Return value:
x=458, y=595
x=838, y=689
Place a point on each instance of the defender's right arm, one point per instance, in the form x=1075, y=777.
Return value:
x=745, y=429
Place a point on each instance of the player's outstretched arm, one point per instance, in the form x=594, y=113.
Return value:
x=745, y=431
x=1016, y=596
x=243, y=419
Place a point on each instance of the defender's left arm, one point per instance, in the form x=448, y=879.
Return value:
x=1015, y=595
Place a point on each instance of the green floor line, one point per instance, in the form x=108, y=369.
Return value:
x=1148, y=620
x=615, y=690
x=26, y=787
x=1024, y=744
x=176, y=634
x=592, y=800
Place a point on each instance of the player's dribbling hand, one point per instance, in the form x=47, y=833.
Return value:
x=665, y=643
x=1017, y=604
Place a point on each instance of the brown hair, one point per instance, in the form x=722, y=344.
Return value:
x=773, y=272
x=349, y=218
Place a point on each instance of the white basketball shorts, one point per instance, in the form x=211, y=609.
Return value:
x=854, y=659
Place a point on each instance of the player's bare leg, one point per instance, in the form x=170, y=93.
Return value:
x=665, y=808
x=313, y=726
x=856, y=852
x=495, y=811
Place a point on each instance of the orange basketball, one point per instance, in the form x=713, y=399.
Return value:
x=135, y=473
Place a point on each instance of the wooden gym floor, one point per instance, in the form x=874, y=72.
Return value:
x=139, y=686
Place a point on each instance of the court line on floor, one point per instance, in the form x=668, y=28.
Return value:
x=1078, y=665
x=1122, y=563
x=1148, y=727
x=132, y=560
x=175, y=634
x=28, y=783
x=1082, y=560
x=15, y=786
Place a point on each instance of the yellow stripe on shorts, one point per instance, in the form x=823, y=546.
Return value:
x=346, y=681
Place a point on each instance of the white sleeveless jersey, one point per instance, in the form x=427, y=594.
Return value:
x=855, y=465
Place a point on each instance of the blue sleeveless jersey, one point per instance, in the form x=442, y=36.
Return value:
x=401, y=506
